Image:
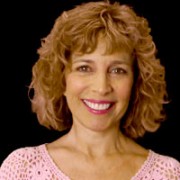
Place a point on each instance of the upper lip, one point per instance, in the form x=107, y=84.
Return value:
x=99, y=101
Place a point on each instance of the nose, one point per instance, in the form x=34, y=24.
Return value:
x=101, y=84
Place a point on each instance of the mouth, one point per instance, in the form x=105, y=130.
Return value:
x=98, y=106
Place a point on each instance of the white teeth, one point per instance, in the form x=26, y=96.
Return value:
x=97, y=106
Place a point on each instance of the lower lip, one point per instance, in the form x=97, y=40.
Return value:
x=98, y=112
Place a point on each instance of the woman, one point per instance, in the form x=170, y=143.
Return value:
x=97, y=77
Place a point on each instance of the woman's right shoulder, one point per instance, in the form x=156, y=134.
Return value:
x=19, y=160
x=24, y=153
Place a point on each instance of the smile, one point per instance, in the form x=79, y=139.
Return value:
x=98, y=107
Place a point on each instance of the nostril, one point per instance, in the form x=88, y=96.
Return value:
x=102, y=87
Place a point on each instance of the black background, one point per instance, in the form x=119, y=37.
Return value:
x=23, y=24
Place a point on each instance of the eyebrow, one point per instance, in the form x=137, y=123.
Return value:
x=121, y=62
x=114, y=62
x=82, y=60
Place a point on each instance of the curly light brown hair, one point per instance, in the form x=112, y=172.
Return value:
x=78, y=29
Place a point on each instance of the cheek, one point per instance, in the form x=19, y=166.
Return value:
x=74, y=85
x=123, y=89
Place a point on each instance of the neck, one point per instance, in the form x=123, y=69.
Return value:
x=97, y=143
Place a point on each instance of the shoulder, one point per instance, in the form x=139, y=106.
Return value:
x=24, y=154
x=165, y=165
x=20, y=160
x=165, y=160
x=158, y=166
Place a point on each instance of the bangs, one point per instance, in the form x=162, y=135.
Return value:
x=114, y=43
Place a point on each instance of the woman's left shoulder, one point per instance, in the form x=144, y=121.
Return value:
x=166, y=163
x=165, y=159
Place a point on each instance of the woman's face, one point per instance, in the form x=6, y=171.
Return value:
x=98, y=88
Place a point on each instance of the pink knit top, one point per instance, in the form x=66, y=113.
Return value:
x=34, y=163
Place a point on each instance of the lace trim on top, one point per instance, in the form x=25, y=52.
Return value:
x=48, y=159
x=31, y=163
x=144, y=167
x=156, y=166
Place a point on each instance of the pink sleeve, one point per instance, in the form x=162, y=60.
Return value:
x=30, y=163
x=172, y=169
x=164, y=167
x=15, y=166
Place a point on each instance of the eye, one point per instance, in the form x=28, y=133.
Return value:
x=83, y=68
x=117, y=70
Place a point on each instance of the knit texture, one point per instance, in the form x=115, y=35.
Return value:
x=30, y=163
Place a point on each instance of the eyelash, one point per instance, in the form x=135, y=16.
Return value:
x=83, y=68
x=118, y=71
x=86, y=68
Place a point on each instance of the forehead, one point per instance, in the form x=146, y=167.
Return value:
x=102, y=49
x=108, y=43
